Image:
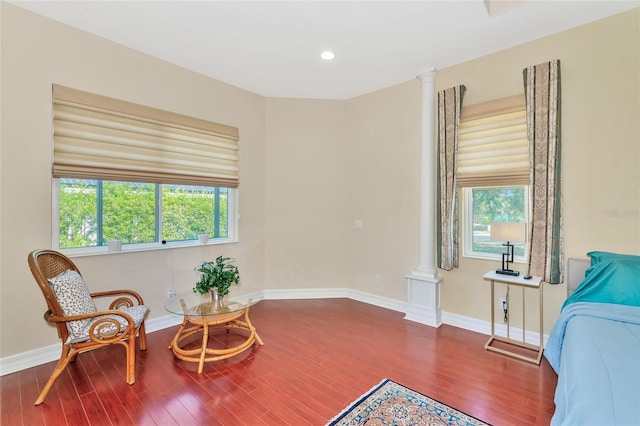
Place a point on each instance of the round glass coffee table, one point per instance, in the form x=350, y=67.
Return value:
x=203, y=314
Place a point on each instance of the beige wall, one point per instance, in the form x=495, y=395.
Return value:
x=385, y=187
x=600, y=143
x=308, y=205
x=310, y=168
x=329, y=163
x=37, y=52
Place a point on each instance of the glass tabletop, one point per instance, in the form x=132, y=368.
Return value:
x=194, y=303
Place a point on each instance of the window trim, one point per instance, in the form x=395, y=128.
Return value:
x=467, y=225
x=232, y=228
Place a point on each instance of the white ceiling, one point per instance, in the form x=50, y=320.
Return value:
x=272, y=48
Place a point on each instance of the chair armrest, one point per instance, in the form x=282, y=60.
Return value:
x=115, y=331
x=57, y=319
x=120, y=301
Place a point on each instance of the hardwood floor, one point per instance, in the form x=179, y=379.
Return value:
x=318, y=357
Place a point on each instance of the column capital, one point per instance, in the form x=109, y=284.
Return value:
x=427, y=74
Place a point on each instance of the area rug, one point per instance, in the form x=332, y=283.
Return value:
x=390, y=403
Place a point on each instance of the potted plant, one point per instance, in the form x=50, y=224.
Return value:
x=219, y=275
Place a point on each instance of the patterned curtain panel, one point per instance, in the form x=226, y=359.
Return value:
x=449, y=106
x=542, y=91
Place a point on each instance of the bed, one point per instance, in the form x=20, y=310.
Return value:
x=594, y=346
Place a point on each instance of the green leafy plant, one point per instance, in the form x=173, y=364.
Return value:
x=220, y=275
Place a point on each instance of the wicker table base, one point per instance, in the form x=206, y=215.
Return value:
x=192, y=325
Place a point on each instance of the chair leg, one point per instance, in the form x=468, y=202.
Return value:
x=131, y=358
x=142, y=334
x=65, y=358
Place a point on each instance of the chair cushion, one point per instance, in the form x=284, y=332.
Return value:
x=74, y=299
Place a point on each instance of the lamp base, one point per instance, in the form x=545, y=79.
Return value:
x=507, y=272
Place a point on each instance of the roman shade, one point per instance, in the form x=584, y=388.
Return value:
x=493, y=147
x=96, y=137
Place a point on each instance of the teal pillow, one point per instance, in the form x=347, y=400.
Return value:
x=610, y=281
x=604, y=256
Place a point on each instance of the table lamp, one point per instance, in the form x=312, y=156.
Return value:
x=511, y=232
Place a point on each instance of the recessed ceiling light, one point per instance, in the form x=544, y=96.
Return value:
x=327, y=55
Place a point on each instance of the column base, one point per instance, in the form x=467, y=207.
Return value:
x=423, y=291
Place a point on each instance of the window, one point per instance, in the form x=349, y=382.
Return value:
x=493, y=172
x=141, y=215
x=104, y=148
x=484, y=206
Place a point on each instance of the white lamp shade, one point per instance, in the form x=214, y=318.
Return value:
x=509, y=231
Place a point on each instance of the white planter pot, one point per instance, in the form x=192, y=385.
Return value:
x=114, y=245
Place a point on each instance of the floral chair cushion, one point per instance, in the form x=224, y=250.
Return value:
x=137, y=313
x=74, y=299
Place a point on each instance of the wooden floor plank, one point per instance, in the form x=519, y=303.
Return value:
x=318, y=357
x=11, y=408
x=72, y=405
x=53, y=409
x=94, y=410
x=111, y=403
x=29, y=392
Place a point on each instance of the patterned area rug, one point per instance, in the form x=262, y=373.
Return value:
x=390, y=403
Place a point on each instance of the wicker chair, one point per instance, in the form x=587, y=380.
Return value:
x=118, y=325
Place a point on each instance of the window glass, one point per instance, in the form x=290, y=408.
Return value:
x=128, y=212
x=78, y=213
x=484, y=206
x=90, y=212
x=192, y=210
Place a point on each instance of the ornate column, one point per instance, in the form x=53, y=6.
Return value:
x=423, y=284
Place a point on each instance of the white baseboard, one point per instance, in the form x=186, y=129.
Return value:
x=24, y=360
x=381, y=301
x=484, y=327
x=45, y=354
x=333, y=293
x=305, y=293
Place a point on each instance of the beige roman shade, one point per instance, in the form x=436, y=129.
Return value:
x=96, y=137
x=493, y=148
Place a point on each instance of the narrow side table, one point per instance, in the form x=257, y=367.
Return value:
x=534, y=283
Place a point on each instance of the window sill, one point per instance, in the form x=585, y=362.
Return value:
x=517, y=259
x=135, y=248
